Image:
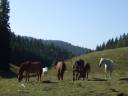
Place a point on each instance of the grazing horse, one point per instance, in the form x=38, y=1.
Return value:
x=86, y=70
x=80, y=70
x=60, y=67
x=45, y=71
x=30, y=67
x=109, y=67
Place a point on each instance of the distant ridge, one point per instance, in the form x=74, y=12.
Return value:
x=69, y=47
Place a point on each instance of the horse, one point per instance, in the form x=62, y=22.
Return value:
x=60, y=67
x=30, y=67
x=86, y=70
x=45, y=71
x=81, y=69
x=109, y=67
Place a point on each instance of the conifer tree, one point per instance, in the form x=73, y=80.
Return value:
x=4, y=34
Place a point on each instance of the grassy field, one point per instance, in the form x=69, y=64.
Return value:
x=95, y=86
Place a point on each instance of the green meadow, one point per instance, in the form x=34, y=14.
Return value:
x=96, y=85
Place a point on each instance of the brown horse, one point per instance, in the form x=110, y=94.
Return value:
x=80, y=70
x=30, y=67
x=60, y=67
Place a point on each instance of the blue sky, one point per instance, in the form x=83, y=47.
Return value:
x=84, y=23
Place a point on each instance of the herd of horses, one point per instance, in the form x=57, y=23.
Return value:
x=80, y=68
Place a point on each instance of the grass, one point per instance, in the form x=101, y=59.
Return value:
x=95, y=86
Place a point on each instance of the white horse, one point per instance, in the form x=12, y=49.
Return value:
x=109, y=67
x=45, y=71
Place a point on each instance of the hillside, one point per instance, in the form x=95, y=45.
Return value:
x=69, y=47
x=119, y=56
x=95, y=86
x=25, y=48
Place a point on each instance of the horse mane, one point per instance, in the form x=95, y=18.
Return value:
x=22, y=66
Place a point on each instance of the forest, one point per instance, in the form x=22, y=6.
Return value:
x=117, y=42
x=25, y=48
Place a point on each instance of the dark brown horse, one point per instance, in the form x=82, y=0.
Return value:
x=60, y=67
x=80, y=70
x=30, y=67
x=86, y=71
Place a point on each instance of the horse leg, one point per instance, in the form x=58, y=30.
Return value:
x=58, y=75
x=39, y=77
x=26, y=77
x=110, y=74
x=73, y=75
x=61, y=75
x=87, y=75
x=106, y=75
x=77, y=76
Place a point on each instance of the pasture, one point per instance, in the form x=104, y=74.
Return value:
x=95, y=86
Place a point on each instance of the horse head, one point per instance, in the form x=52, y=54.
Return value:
x=101, y=62
x=20, y=77
x=21, y=70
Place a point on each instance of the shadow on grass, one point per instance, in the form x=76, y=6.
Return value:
x=124, y=78
x=97, y=79
x=7, y=74
x=48, y=81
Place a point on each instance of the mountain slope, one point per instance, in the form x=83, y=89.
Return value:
x=69, y=47
x=95, y=86
x=119, y=56
x=25, y=48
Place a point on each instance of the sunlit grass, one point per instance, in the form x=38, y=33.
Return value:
x=95, y=86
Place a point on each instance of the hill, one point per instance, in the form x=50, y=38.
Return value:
x=92, y=87
x=25, y=48
x=119, y=56
x=47, y=51
x=69, y=47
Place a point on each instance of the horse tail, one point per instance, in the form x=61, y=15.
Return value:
x=64, y=66
x=40, y=65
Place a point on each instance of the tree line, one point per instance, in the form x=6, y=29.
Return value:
x=4, y=34
x=25, y=48
x=16, y=49
x=112, y=43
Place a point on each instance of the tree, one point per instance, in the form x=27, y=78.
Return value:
x=4, y=34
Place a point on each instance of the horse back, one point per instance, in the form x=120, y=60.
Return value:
x=34, y=67
x=87, y=67
x=61, y=66
x=78, y=65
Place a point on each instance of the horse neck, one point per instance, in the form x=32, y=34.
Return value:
x=108, y=63
x=21, y=70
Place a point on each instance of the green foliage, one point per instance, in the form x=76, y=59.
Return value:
x=27, y=48
x=122, y=41
x=4, y=34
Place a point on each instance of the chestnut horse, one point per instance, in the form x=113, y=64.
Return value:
x=30, y=67
x=60, y=67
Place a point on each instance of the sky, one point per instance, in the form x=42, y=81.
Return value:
x=85, y=23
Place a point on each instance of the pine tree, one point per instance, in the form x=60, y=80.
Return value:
x=4, y=34
x=115, y=42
